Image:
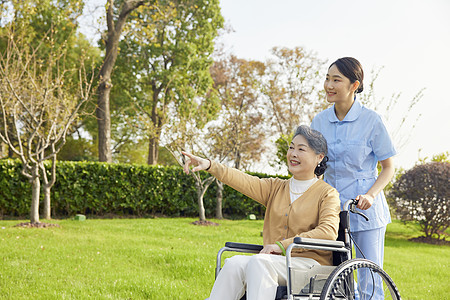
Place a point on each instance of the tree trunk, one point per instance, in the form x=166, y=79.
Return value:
x=201, y=207
x=48, y=184
x=104, y=123
x=153, y=147
x=104, y=87
x=201, y=187
x=153, y=151
x=219, y=198
x=47, y=203
x=36, y=188
x=237, y=160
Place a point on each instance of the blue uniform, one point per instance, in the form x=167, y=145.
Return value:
x=355, y=145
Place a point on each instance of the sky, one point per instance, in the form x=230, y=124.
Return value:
x=408, y=39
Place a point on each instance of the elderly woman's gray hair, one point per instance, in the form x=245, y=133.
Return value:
x=317, y=142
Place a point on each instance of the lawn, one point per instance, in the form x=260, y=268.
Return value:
x=166, y=258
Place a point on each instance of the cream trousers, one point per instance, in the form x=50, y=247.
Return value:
x=259, y=274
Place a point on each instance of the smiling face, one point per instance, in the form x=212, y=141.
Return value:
x=302, y=159
x=338, y=88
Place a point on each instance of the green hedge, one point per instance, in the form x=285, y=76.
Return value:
x=103, y=189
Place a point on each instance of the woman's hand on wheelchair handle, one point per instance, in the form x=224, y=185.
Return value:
x=198, y=162
x=364, y=201
x=271, y=249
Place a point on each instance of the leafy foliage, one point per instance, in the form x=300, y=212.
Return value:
x=163, y=69
x=79, y=149
x=422, y=194
x=440, y=157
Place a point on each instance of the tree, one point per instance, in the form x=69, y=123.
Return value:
x=44, y=26
x=115, y=27
x=422, y=194
x=238, y=136
x=39, y=101
x=164, y=63
x=293, y=92
x=185, y=138
x=34, y=20
x=181, y=85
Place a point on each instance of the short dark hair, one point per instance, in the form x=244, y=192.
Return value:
x=317, y=142
x=351, y=68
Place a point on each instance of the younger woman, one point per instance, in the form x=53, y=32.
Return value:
x=301, y=206
x=357, y=140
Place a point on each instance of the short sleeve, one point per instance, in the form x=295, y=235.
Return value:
x=381, y=142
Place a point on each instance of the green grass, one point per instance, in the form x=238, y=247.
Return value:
x=420, y=271
x=168, y=259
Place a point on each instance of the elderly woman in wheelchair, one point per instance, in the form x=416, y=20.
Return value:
x=302, y=221
x=302, y=206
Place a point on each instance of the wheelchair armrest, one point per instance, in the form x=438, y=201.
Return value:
x=318, y=242
x=251, y=247
x=236, y=247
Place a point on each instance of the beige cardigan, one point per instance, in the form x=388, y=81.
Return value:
x=315, y=214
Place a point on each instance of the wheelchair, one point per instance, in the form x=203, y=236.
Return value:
x=339, y=281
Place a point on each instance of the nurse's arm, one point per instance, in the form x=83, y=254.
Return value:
x=386, y=174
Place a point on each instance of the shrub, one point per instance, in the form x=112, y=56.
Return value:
x=422, y=194
x=13, y=199
x=94, y=188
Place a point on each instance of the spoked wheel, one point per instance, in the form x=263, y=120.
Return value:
x=345, y=282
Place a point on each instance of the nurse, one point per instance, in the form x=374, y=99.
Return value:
x=357, y=140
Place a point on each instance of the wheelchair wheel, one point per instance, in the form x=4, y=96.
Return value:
x=341, y=282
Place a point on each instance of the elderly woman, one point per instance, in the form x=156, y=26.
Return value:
x=303, y=206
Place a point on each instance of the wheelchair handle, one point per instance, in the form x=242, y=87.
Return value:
x=350, y=205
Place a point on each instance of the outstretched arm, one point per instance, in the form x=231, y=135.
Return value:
x=198, y=163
